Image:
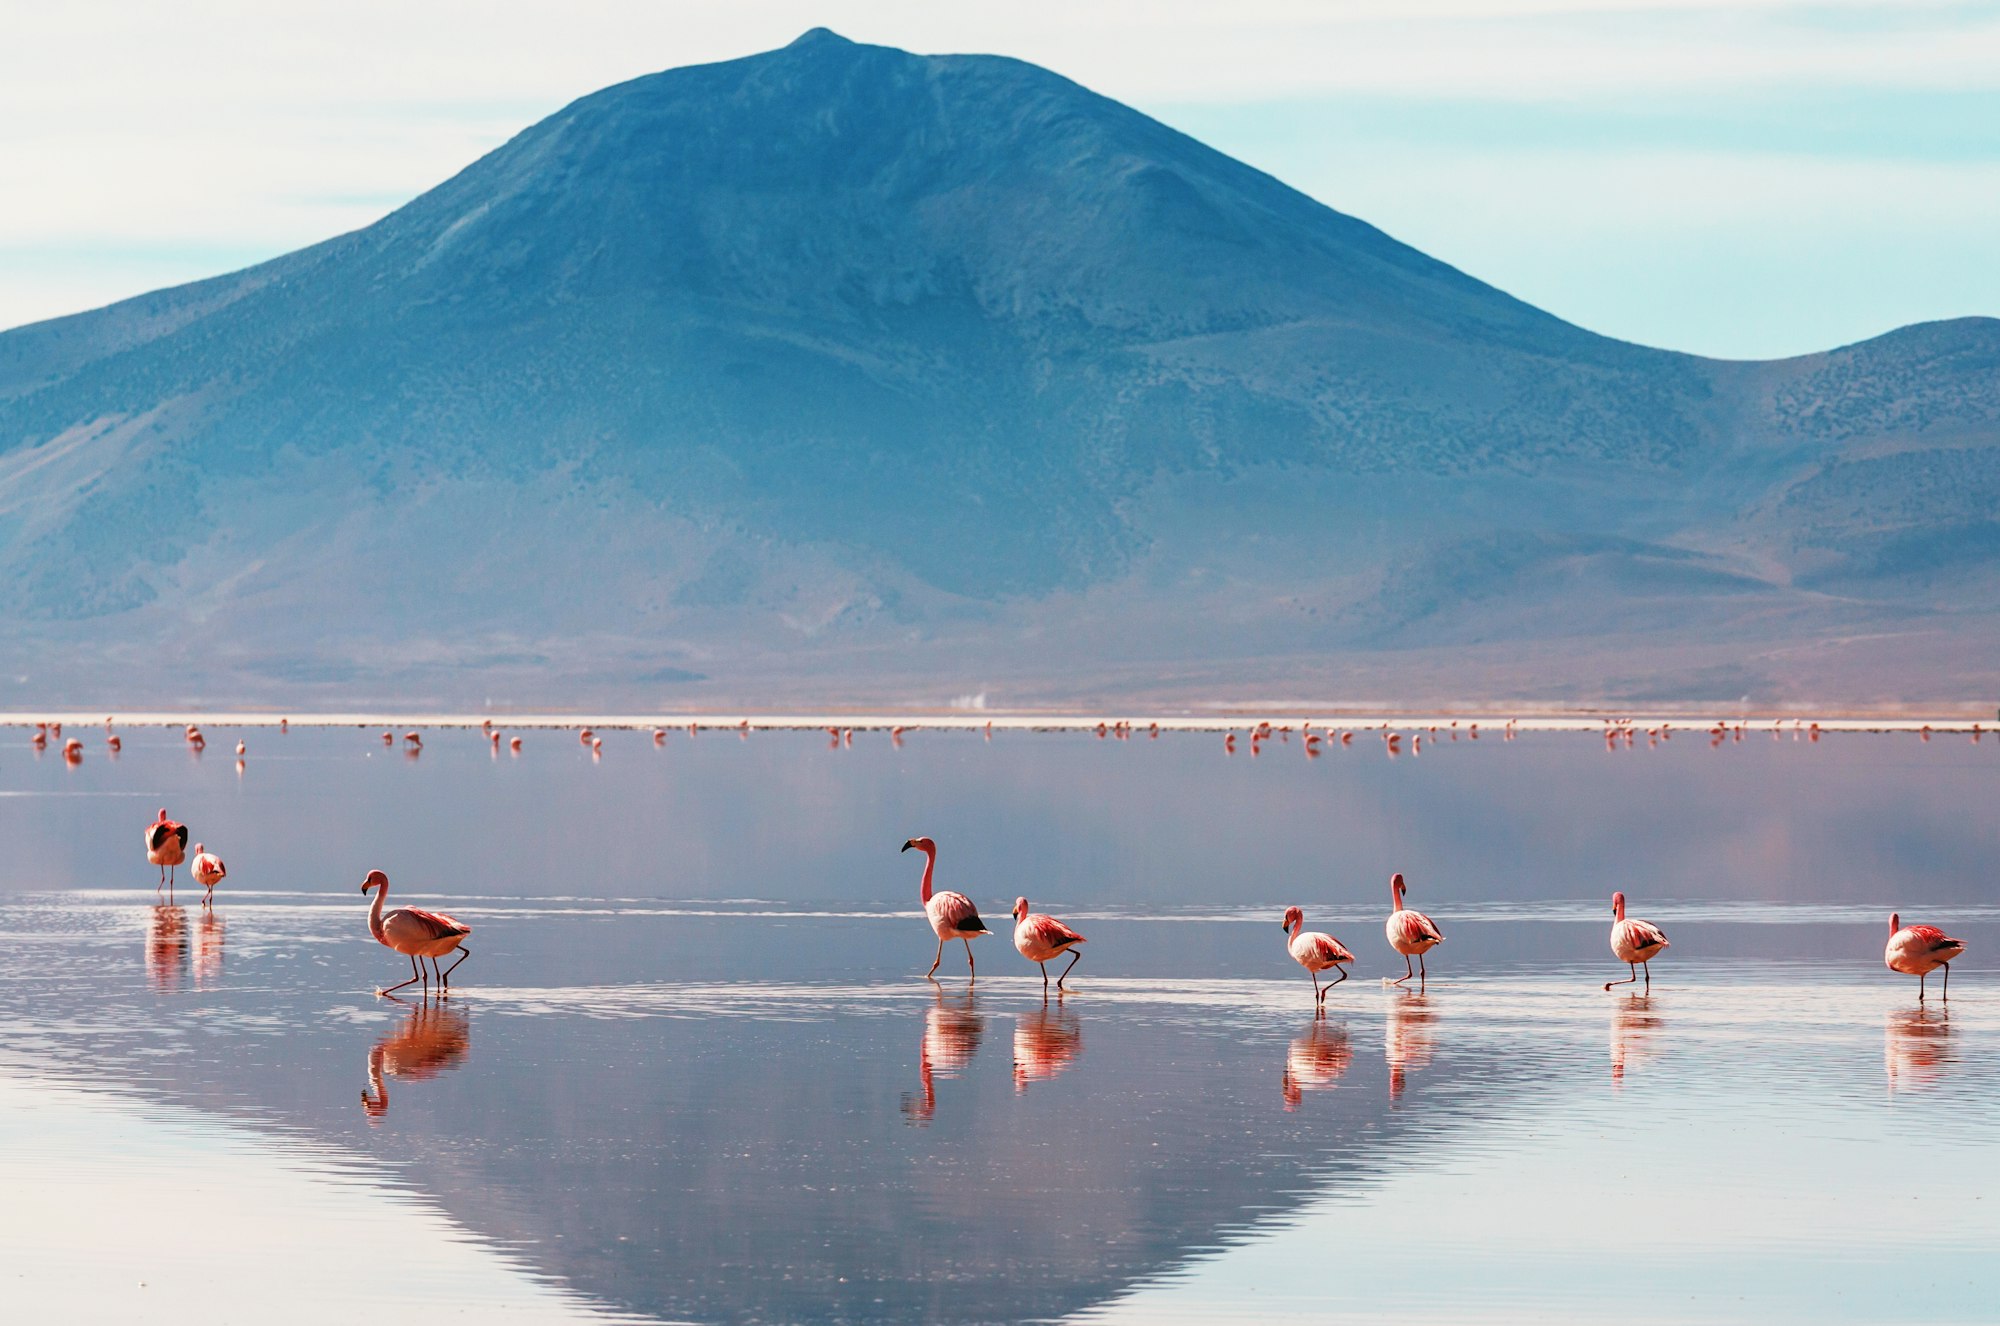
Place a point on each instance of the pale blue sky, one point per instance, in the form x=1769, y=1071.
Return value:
x=1744, y=179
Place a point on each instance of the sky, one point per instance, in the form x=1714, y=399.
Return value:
x=1746, y=180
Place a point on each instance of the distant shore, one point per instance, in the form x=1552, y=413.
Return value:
x=1231, y=720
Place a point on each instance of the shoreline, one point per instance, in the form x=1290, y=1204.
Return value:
x=1233, y=720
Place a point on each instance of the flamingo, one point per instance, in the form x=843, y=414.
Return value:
x=1919, y=950
x=208, y=871
x=166, y=845
x=1636, y=943
x=513, y=745
x=952, y=915
x=1040, y=938
x=1411, y=934
x=416, y=934
x=1315, y=952
x=241, y=750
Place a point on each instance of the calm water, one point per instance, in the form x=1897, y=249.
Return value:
x=692, y=1073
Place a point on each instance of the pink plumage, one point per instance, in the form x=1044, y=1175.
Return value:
x=1634, y=942
x=416, y=934
x=166, y=845
x=951, y=915
x=1411, y=933
x=1919, y=950
x=1040, y=937
x=208, y=871
x=1315, y=951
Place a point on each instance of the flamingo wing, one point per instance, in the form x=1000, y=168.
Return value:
x=181, y=832
x=1051, y=933
x=438, y=924
x=1646, y=935
x=1418, y=927
x=1328, y=948
x=1933, y=938
x=950, y=912
x=156, y=837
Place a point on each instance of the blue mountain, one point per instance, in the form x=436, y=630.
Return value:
x=843, y=372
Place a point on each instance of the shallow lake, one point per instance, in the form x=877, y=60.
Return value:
x=693, y=1072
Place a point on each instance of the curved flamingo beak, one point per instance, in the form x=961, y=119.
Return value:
x=908, y=845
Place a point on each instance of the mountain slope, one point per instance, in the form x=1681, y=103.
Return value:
x=838, y=364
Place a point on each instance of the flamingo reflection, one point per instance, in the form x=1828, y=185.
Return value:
x=952, y=1031
x=1316, y=1060
x=1046, y=1041
x=1409, y=1038
x=208, y=937
x=434, y=1039
x=1916, y=1047
x=166, y=946
x=1634, y=1026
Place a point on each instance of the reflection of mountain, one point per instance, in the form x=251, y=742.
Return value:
x=433, y=1039
x=748, y=1169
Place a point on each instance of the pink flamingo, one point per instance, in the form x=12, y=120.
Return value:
x=1411, y=934
x=1919, y=950
x=208, y=871
x=1315, y=952
x=952, y=915
x=1635, y=943
x=166, y=845
x=416, y=934
x=1039, y=938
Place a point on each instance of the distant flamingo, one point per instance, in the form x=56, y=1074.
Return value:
x=952, y=915
x=514, y=745
x=1919, y=950
x=1315, y=952
x=208, y=871
x=416, y=934
x=1410, y=933
x=166, y=845
x=1636, y=943
x=1040, y=937
x=241, y=750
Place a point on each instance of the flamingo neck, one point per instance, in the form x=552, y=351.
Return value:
x=375, y=913
x=930, y=865
x=1895, y=922
x=1618, y=910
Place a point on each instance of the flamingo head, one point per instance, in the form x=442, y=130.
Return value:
x=1895, y=922
x=1397, y=888
x=924, y=845
x=1294, y=918
x=376, y=880
x=1020, y=908
x=198, y=849
x=163, y=816
x=1618, y=905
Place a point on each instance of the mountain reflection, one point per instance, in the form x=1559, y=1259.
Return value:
x=1409, y=1038
x=1316, y=1060
x=1046, y=1041
x=1916, y=1047
x=433, y=1039
x=166, y=946
x=952, y=1031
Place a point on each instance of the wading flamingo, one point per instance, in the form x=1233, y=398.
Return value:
x=1410, y=933
x=1636, y=943
x=416, y=934
x=166, y=845
x=1041, y=937
x=1315, y=952
x=1914, y=950
x=952, y=915
x=208, y=871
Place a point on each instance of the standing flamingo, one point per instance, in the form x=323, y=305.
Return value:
x=1040, y=938
x=1916, y=950
x=1636, y=943
x=416, y=934
x=1410, y=933
x=166, y=845
x=1315, y=952
x=952, y=915
x=208, y=871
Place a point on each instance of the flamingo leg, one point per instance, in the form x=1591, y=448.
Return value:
x=1947, y=981
x=411, y=981
x=1045, y=979
x=463, y=954
x=1318, y=994
x=1408, y=971
x=1921, y=978
x=1649, y=976
x=1423, y=972
x=971, y=968
x=1628, y=980
x=935, y=961
x=1338, y=979
x=1074, y=958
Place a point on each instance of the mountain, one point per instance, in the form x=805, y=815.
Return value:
x=839, y=372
